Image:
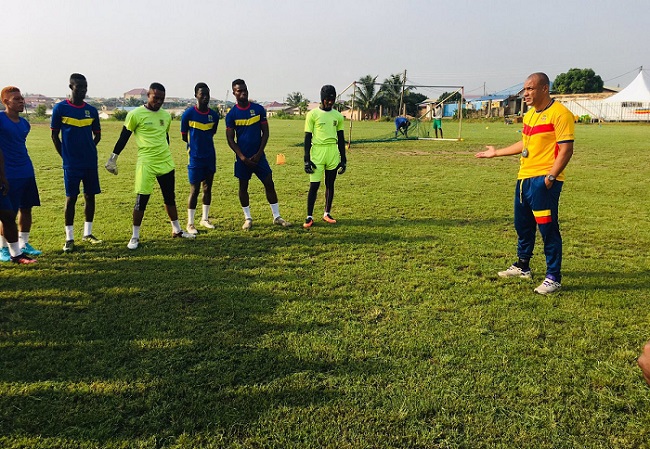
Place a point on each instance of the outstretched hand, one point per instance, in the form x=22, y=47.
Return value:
x=488, y=153
x=309, y=167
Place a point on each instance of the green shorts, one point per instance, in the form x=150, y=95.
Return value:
x=326, y=157
x=437, y=123
x=146, y=173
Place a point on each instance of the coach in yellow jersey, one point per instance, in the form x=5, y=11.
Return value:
x=545, y=150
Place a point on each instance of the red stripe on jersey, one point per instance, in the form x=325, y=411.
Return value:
x=538, y=129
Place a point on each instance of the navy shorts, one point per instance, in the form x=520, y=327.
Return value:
x=198, y=174
x=72, y=177
x=5, y=200
x=23, y=194
x=262, y=170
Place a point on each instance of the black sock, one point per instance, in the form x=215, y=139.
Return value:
x=523, y=264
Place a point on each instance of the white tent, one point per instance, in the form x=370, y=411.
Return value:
x=637, y=91
x=630, y=104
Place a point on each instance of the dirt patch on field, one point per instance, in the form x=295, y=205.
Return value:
x=413, y=153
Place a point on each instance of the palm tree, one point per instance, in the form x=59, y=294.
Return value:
x=295, y=98
x=391, y=93
x=298, y=100
x=366, y=96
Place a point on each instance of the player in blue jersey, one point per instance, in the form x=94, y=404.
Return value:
x=17, y=180
x=402, y=126
x=247, y=132
x=77, y=123
x=198, y=127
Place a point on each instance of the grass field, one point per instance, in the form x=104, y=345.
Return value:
x=389, y=329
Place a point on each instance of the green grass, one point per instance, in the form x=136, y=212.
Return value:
x=389, y=329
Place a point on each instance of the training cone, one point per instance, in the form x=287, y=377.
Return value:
x=280, y=159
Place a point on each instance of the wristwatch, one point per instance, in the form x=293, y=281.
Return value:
x=551, y=178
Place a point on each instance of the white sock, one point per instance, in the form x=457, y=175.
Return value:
x=23, y=238
x=190, y=216
x=14, y=249
x=69, y=232
x=136, y=232
x=176, y=227
x=247, y=212
x=4, y=242
x=206, y=212
x=275, y=208
x=88, y=228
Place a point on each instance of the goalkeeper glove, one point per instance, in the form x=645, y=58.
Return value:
x=111, y=164
x=309, y=167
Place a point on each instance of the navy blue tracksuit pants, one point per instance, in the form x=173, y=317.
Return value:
x=536, y=206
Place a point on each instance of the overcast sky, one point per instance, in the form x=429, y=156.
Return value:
x=282, y=46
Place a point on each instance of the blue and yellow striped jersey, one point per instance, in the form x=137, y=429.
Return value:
x=247, y=123
x=78, y=124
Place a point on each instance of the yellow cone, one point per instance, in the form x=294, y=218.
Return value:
x=280, y=159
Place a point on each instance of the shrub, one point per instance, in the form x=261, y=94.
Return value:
x=119, y=115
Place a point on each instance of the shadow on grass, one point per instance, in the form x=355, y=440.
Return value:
x=157, y=342
x=608, y=280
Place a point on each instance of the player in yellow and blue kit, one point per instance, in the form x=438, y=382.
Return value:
x=78, y=124
x=198, y=127
x=247, y=132
x=324, y=152
x=546, y=149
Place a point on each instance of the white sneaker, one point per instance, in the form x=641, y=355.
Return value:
x=206, y=224
x=248, y=223
x=192, y=229
x=133, y=243
x=548, y=286
x=281, y=222
x=515, y=271
x=183, y=235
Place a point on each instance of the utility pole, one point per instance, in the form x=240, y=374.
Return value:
x=401, y=100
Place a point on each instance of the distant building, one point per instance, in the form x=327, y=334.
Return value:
x=275, y=107
x=31, y=101
x=296, y=111
x=139, y=94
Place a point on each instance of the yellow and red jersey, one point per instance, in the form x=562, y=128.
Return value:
x=543, y=132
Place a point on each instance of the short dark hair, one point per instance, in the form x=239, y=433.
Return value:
x=77, y=77
x=542, y=78
x=200, y=86
x=157, y=86
x=238, y=81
